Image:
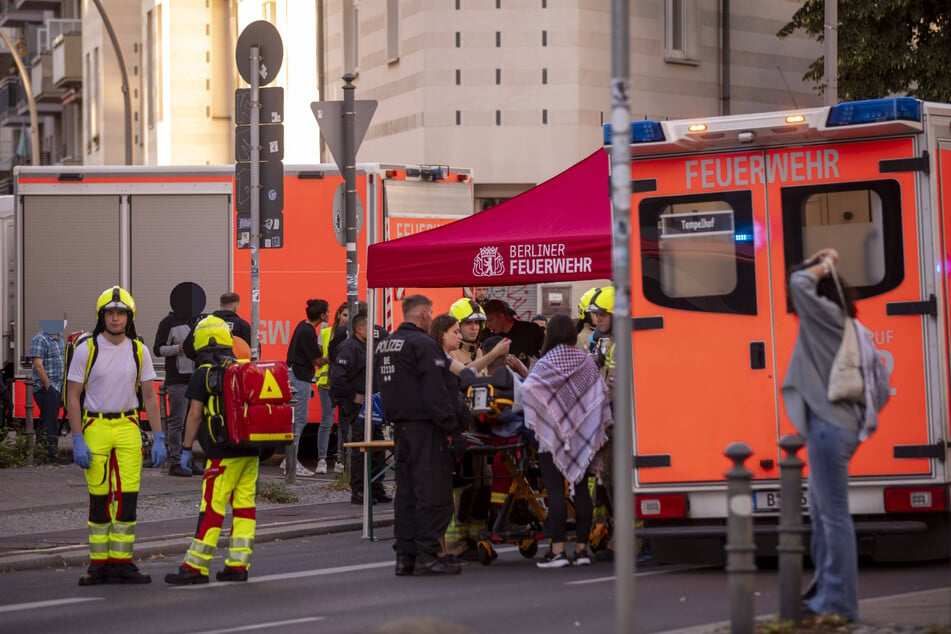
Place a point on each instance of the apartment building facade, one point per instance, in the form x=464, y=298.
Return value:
x=518, y=89
x=515, y=89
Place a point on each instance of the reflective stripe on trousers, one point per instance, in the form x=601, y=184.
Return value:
x=226, y=480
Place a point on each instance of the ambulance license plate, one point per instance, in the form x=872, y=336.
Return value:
x=768, y=501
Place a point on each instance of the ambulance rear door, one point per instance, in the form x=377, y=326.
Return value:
x=863, y=201
x=703, y=364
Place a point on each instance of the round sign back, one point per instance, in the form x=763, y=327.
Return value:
x=264, y=35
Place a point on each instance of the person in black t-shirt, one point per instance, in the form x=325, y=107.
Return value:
x=303, y=355
x=526, y=337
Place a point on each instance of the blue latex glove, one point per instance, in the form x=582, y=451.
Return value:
x=158, y=449
x=81, y=454
x=186, y=461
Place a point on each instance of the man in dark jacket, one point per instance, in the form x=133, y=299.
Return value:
x=187, y=300
x=228, y=310
x=412, y=369
x=348, y=388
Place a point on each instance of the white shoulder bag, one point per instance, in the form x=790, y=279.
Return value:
x=845, y=378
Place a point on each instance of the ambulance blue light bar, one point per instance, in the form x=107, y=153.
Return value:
x=874, y=110
x=643, y=131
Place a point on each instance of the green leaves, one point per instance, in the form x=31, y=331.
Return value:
x=886, y=47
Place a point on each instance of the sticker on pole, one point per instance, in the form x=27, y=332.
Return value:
x=339, y=214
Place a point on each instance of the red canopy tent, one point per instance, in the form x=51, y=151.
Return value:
x=557, y=231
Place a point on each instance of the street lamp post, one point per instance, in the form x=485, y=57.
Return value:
x=34, y=123
x=125, y=81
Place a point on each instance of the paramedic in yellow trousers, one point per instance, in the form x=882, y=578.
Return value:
x=231, y=474
x=107, y=442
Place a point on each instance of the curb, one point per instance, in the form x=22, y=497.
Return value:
x=159, y=547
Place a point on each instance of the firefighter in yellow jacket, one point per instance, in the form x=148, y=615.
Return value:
x=107, y=370
x=231, y=474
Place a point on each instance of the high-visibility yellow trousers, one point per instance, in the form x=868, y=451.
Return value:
x=226, y=480
x=112, y=479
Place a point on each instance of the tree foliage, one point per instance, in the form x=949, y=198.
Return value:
x=885, y=47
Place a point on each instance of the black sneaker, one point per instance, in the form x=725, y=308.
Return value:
x=551, y=560
x=198, y=467
x=232, y=574
x=437, y=566
x=457, y=560
x=186, y=577
x=96, y=574
x=382, y=497
x=128, y=574
x=356, y=499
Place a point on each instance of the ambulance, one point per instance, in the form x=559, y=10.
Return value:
x=721, y=208
x=79, y=229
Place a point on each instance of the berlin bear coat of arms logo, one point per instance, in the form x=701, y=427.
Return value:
x=488, y=263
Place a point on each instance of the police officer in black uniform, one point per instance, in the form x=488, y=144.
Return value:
x=413, y=386
x=348, y=387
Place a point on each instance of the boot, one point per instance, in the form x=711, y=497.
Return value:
x=405, y=564
x=435, y=566
x=186, y=577
x=232, y=574
x=95, y=575
x=128, y=573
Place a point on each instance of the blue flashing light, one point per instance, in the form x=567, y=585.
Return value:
x=743, y=237
x=874, y=110
x=643, y=131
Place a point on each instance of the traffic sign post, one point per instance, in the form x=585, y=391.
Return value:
x=259, y=54
x=343, y=126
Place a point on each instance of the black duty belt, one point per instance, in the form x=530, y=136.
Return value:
x=113, y=415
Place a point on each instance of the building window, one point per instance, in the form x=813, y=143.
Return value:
x=498, y=4
x=458, y=39
x=269, y=11
x=458, y=77
x=458, y=117
x=544, y=4
x=457, y=4
x=498, y=117
x=682, y=31
x=544, y=38
x=544, y=75
x=498, y=39
x=159, y=66
x=498, y=76
x=545, y=116
x=392, y=30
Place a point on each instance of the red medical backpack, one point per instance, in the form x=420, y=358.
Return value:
x=255, y=403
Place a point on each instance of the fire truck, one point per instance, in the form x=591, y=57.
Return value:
x=721, y=208
x=80, y=229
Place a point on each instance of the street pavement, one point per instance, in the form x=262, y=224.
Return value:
x=55, y=496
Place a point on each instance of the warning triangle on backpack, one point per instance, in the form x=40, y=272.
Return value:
x=269, y=388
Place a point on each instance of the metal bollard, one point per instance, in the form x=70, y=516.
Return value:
x=790, y=547
x=740, y=548
x=30, y=430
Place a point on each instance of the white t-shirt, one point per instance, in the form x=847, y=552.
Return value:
x=111, y=384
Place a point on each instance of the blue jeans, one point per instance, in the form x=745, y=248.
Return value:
x=829, y=449
x=326, y=422
x=301, y=391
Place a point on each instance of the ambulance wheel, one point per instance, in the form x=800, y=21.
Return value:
x=485, y=553
x=528, y=548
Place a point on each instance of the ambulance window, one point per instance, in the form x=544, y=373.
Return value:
x=697, y=252
x=862, y=221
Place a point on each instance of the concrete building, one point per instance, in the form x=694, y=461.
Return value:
x=518, y=89
x=515, y=89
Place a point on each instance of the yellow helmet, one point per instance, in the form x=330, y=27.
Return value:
x=115, y=297
x=212, y=332
x=585, y=301
x=467, y=309
x=603, y=299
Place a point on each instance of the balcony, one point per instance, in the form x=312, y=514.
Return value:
x=41, y=80
x=11, y=92
x=38, y=5
x=11, y=14
x=68, y=60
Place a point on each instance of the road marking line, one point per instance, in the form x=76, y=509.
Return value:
x=261, y=626
x=46, y=604
x=649, y=573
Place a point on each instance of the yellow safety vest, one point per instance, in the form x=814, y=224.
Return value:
x=323, y=372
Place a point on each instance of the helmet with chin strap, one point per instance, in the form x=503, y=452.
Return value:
x=115, y=297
